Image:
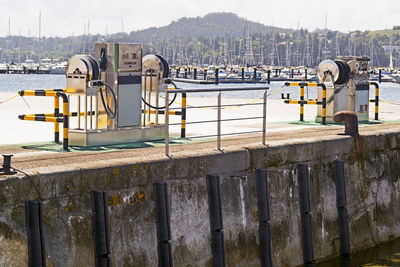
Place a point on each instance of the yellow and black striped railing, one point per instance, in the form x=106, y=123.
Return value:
x=376, y=100
x=303, y=102
x=55, y=117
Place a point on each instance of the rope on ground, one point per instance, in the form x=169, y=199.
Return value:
x=388, y=102
x=1, y=102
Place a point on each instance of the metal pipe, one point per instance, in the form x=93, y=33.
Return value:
x=144, y=96
x=219, y=122
x=157, y=105
x=166, y=117
x=183, y=116
x=85, y=114
x=149, y=94
x=97, y=111
x=264, y=118
x=56, y=124
x=79, y=111
x=203, y=90
x=301, y=105
x=90, y=111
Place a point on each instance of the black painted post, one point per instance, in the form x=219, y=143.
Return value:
x=216, y=75
x=306, y=218
x=380, y=75
x=341, y=205
x=291, y=72
x=205, y=74
x=255, y=73
x=189, y=71
x=186, y=72
x=269, y=75
x=242, y=73
x=100, y=228
x=195, y=73
x=177, y=71
x=264, y=217
x=35, y=233
x=163, y=224
x=216, y=224
x=276, y=72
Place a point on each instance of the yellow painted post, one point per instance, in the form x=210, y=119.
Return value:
x=56, y=124
x=301, y=105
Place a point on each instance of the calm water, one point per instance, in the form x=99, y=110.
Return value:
x=16, y=82
x=385, y=255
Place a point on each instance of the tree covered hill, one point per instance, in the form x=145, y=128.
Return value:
x=219, y=38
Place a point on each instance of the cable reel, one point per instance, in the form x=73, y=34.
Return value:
x=338, y=69
x=87, y=65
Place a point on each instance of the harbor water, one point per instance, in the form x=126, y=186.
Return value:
x=10, y=83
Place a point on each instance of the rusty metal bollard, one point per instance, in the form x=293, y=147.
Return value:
x=350, y=122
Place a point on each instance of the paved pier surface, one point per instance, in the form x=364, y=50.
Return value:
x=32, y=157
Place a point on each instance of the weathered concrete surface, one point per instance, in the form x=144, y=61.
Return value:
x=373, y=186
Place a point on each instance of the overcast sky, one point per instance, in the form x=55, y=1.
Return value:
x=64, y=18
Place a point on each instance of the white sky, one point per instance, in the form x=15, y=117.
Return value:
x=62, y=18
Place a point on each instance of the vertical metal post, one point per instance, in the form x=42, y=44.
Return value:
x=242, y=73
x=79, y=111
x=56, y=124
x=149, y=96
x=183, y=116
x=323, y=105
x=380, y=75
x=195, y=73
x=216, y=75
x=97, y=111
x=144, y=97
x=255, y=73
x=205, y=73
x=376, y=101
x=166, y=117
x=264, y=133
x=91, y=111
x=157, y=105
x=269, y=75
x=65, y=120
x=219, y=121
x=301, y=105
x=85, y=113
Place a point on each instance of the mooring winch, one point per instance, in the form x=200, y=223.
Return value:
x=111, y=91
x=347, y=86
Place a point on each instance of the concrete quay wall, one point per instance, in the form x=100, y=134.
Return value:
x=372, y=169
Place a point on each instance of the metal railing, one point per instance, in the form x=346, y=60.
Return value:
x=219, y=107
x=303, y=102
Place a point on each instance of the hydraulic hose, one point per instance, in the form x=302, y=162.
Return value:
x=106, y=107
x=170, y=103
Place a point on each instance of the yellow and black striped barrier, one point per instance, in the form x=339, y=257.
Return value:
x=183, y=116
x=161, y=112
x=303, y=102
x=56, y=118
x=376, y=100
